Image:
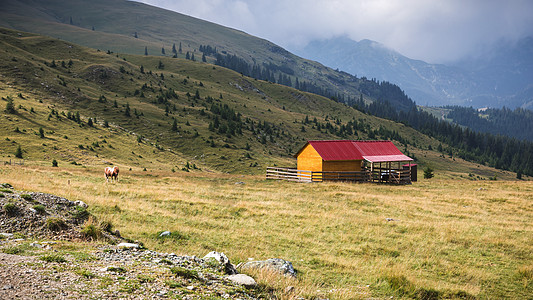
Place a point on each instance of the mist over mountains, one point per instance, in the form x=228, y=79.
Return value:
x=501, y=76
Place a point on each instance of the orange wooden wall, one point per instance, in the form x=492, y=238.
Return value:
x=342, y=166
x=310, y=160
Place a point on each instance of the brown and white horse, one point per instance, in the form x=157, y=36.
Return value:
x=111, y=172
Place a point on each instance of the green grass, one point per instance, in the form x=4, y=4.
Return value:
x=449, y=238
x=184, y=273
x=57, y=258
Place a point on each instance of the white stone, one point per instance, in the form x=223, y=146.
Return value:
x=81, y=203
x=128, y=245
x=242, y=279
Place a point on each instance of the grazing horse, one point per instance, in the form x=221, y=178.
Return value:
x=111, y=172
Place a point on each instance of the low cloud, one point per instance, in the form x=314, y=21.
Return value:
x=434, y=31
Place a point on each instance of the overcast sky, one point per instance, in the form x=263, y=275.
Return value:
x=437, y=31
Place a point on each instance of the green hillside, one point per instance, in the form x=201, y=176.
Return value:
x=182, y=114
x=131, y=27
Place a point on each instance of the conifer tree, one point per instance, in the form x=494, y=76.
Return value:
x=180, y=51
x=175, y=125
x=174, y=48
x=10, y=106
x=145, y=50
x=127, y=112
x=163, y=50
x=18, y=153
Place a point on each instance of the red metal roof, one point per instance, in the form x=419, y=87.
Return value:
x=336, y=150
x=373, y=151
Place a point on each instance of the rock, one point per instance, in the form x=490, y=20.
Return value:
x=222, y=259
x=7, y=235
x=128, y=245
x=240, y=182
x=165, y=233
x=242, y=279
x=36, y=245
x=390, y=219
x=289, y=289
x=81, y=203
x=277, y=264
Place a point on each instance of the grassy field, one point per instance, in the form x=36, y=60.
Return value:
x=448, y=238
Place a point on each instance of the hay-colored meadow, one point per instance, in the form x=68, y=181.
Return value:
x=440, y=237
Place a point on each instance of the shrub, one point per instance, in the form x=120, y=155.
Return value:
x=80, y=213
x=26, y=197
x=185, y=273
x=116, y=269
x=106, y=226
x=54, y=163
x=91, y=231
x=172, y=284
x=10, y=208
x=144, y=278
x=53, y=258
x=40, y=209
x=12, y=250
x=55, y=224
x=85, y=273
x=6, y=191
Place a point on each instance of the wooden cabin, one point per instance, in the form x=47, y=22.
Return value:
x=348, y=160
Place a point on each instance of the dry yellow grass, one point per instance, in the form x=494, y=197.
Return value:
x=447, y=238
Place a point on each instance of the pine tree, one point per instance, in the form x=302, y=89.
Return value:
x=203, y=57
x=135, y=35
x=174, y=48
x=18, y=153
x=145, y=50
x=10, y=106
x=127, y=112
x=41, y=132
x=180, y=51
x=175, y=125
x=187, y=55
x=428, y=173
x=163, y=50
x=192, y=57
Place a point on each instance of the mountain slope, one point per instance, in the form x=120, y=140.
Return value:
x=162, y=112
x=135, y=28
x=502, y=79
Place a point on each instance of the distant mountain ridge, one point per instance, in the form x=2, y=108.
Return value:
x=503, y=79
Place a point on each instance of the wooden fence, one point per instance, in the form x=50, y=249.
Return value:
x=289, y=174
x=388, y=176
x=19, y=162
